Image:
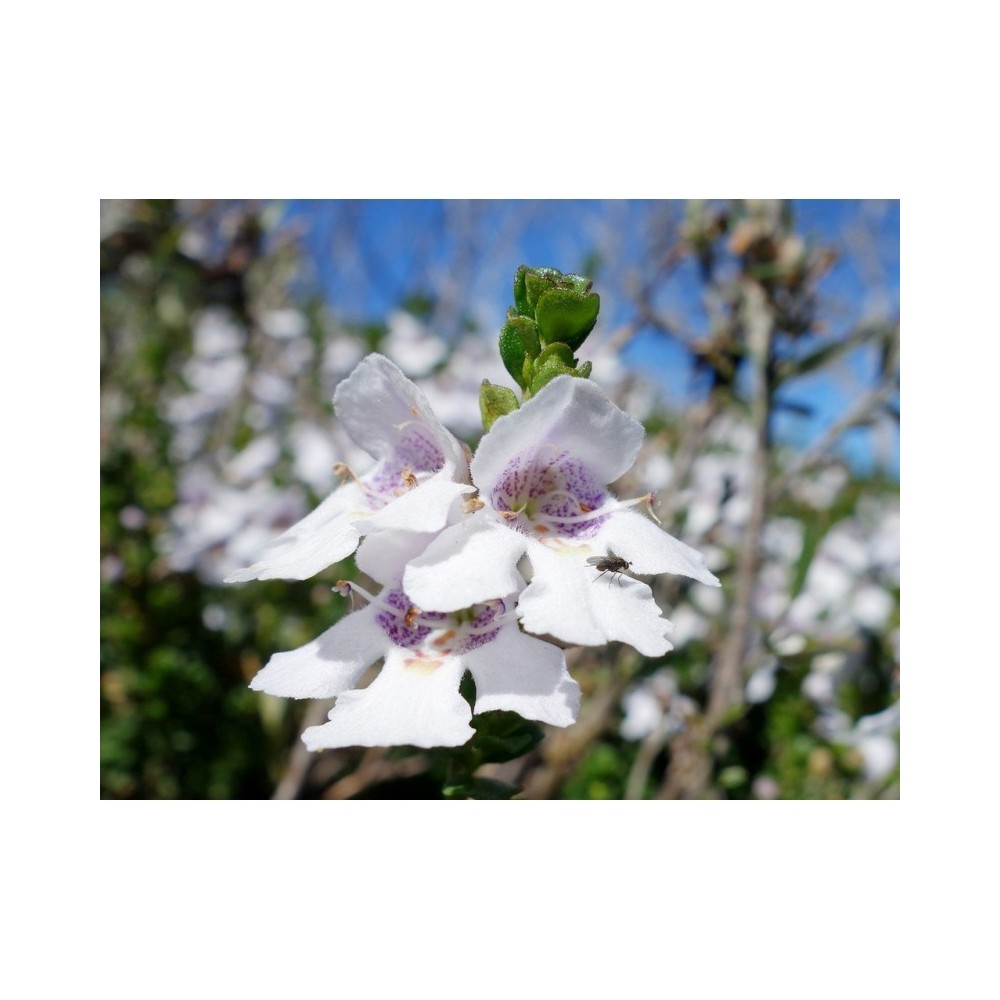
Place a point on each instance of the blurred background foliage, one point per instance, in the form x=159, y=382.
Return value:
x=760, y=350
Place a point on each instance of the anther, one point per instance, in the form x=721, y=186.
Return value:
x=650, y=500
x=346, y=472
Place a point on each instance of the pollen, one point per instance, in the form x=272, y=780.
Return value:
x=409, y=478
x=411, y=616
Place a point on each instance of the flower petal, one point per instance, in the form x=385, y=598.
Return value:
x=414, y=701
x=570, y=414
x=650, y=549
x=383, y=556
x=519, y=673
x=330, y=664
x=472, y=561
x=569, y=600
x=424, y=508
x=327, y=535
x=377, y=403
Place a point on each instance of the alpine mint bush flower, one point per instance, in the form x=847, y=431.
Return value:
x=421, y=469
x=453, y=598
x=542, y=473
x=415, y=698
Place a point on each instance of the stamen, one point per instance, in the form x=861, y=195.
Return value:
x=491, y=625
x=650, y=500
x=409, y=478
x=591, y=515
x=345, y=587
x=346, y=472
x=471, y=504
x=343, y=470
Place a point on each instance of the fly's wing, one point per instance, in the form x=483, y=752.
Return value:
x=596, y=560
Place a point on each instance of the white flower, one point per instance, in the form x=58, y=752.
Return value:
x=421, y=469
x=415, y=698
x=542, y=473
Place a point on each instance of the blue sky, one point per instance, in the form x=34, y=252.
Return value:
x=368, y=256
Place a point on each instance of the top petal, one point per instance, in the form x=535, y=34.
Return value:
x=387, y=415
x=421, y=470
x=570, y=415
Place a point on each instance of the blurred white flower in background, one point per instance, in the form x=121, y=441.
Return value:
x=655, y=706
x=412, y=345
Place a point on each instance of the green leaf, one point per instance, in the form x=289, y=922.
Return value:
x=495, y=401
x=481, y=788
x=537, y=281
x=503, y=736
x=521, y=292
x=561, y=352
x=564, y=315
x=527, y=371
x=512, y=353
x=527, y=331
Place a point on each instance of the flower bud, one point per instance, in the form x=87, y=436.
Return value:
x=562, y=305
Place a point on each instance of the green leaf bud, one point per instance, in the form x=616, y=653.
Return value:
x=495, y=401
x=560, y=351
x=553, y=366
x=565, y=315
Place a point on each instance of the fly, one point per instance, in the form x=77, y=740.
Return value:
x=610, y=563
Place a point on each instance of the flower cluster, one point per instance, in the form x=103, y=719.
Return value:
x=484, y=566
